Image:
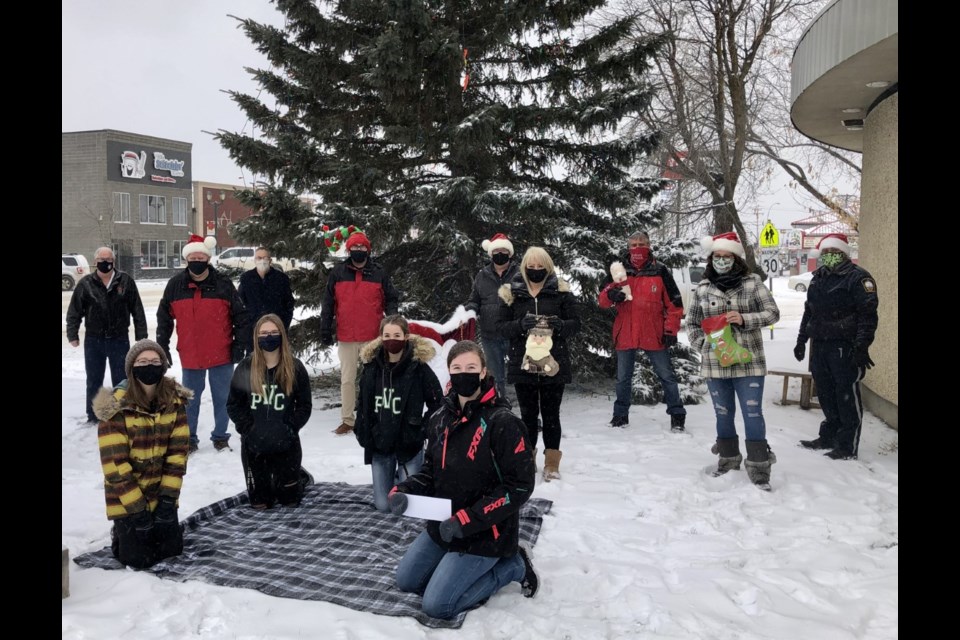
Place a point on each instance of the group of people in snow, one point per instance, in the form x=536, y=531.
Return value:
x=477, y=452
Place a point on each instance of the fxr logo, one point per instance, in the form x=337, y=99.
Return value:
x=495, y=505
x=477, y=436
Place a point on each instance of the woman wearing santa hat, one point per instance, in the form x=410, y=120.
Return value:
x=730, y=308
x=840, y=317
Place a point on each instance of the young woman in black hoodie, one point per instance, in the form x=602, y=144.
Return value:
x=478, y=457
x=269, y=402
x=395, y=384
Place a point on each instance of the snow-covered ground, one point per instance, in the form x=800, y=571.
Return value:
x=641, y=543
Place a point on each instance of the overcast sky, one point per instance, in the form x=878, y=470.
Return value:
x=160, y=69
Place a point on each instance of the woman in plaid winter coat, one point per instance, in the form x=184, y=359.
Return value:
x=737, y=306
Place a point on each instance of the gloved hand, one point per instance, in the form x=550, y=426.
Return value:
x=142, y=523
x=556, y=324
x=861, y=357
x=616, y=294
x=397, y=502
x=450, y=529
x=528, y=322
x=326, y=338
x=166, y=352
x=800, y=351
x=166, y=511
x=669, y=340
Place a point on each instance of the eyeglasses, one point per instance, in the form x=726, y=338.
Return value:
x=147, y=363
x=107, y=261
x=265, y=334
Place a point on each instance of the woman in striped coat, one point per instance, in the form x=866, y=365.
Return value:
x=737, y=306
x=144, y=439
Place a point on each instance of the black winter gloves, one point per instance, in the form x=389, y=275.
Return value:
x=861, y=357
x=800, y=351
x=397, y=502
x=528, y=322
x=616, y=294
x=450, y=529
x=166, y=511
x=669, y=340
x=326, y=338
x=556, y=324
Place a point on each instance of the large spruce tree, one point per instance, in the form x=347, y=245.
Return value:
x=433, y=124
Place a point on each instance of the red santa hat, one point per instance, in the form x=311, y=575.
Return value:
x=498, y=241
x=199, y=244
x=723, y=242
x=832, y=241
x=358, y=238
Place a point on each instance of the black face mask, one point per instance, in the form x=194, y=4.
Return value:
x=359, y=257
x=104, y=266
x=197, y=268
x=465, y=384
x=269, y=343
x=148, y=373
x=536, y=275
x=500, y=259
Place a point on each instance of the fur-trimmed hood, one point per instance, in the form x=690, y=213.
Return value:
x=552, y=283
x=420, y=349
x=108, y=402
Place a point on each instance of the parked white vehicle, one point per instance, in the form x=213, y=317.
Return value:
x=73, y=266
x=243, y=258
x=800, y=282
x=687, y=279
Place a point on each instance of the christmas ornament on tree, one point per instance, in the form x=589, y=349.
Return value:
x=334, y=238
x=724, y=345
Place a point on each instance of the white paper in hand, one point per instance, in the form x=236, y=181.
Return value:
x=428, y=508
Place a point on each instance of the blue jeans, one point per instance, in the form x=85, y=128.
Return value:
x=96, y=352
x=387, y=473
x=452, y=582
x=749, y=391
x=662, y=367
x=196, y=380
x=495, y=352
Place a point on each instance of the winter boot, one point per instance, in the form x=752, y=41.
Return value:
x=678, y=422
x=729, y=451
x=530, y=582
x=759, y=459
x=819, y=443
x=620, y=421
x=551, y=464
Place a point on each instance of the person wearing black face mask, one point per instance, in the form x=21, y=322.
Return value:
x=479, y=457
x=105, y=301
x=486, y=303
x=212, y=334
x=270, y=401
x=358, y=294
x=397, y=393
x=147, y=412
x=535, y=292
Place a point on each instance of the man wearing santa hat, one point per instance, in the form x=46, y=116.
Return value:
x=211, y=326
x=840, y=318
x=485, y=301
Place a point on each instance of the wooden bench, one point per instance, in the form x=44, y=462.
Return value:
x=807, y=388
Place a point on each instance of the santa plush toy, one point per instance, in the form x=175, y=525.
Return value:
x=462, y=325
x=619, y=274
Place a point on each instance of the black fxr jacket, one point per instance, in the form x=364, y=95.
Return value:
x=480, y=459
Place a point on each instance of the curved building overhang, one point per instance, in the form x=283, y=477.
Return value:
x=845, y=62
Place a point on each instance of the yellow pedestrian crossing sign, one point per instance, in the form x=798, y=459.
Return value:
x=769, y=237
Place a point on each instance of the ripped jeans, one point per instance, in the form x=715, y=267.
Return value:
x=749, y=391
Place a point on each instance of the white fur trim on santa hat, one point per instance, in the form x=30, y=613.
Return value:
x=200, y=247
x=830, y=242
x=500, y=241
x=709, y=245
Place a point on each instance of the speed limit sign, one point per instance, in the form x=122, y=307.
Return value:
x=771, y=265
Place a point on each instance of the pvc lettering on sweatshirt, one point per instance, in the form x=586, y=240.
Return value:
x=271, y=398
x=387, y=400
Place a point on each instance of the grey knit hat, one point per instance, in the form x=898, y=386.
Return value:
x=139, y=347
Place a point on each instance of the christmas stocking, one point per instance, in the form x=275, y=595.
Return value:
x=723, y=343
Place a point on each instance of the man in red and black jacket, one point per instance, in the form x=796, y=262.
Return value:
x=211, y=326
x=649, y=321
x=358, y=294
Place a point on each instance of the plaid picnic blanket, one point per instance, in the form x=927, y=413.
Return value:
x=334, y=547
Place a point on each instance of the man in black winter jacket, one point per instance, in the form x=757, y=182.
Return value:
x=485, y=301
x=105, y=300
x=265, y=289
x=840, y=317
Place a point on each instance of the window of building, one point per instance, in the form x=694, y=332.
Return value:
x=153, y=209
x=121, y=207
x=176, y=252
x=180, y=212
x=153, y=254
